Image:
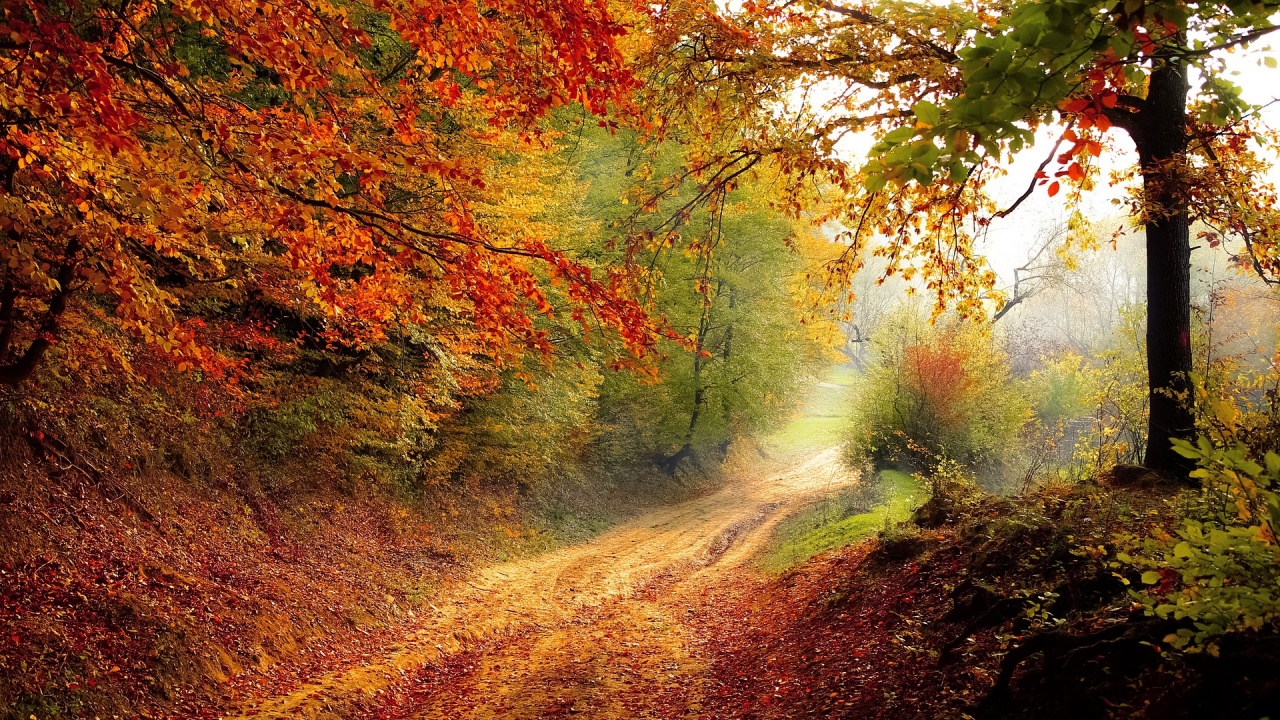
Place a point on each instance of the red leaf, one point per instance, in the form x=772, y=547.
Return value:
x=1075, y=105
x=1053, y=188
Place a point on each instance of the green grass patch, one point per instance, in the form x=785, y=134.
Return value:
x=843, y=519
x=824, y=418
x=809, y=432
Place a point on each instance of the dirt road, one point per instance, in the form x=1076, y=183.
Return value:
x=594, y=630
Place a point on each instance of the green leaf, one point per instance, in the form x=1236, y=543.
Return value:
x=902, y=134
x=1151, y=577
x=929, y=114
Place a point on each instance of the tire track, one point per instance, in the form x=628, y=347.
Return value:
x=574, y=606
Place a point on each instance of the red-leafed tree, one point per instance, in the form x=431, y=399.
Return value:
x=335, y=161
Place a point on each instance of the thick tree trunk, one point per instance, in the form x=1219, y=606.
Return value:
x=1169, y=341
x=1162, y=144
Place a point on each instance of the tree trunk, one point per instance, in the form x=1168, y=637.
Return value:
x=1162, y=143
x=17, y=372
x=726, y=402
x=672, y=462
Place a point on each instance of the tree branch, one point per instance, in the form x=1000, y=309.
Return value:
x=941, y=53
x=1238, y=40
x=1032, y=185
x=155, y=79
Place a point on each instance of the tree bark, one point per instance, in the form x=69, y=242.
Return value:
x=672, y=462
x=726, y=402
x=1161, y=139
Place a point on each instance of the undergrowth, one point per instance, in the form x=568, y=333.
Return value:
x=921, y=622
x=844, y=518
x=152, y=578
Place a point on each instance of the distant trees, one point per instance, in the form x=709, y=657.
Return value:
x=937, y=392
x=362, y=237
x=729, y=289
x=955, y=92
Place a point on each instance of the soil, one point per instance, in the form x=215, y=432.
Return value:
x=606, y=629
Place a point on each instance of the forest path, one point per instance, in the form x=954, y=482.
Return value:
x=595, y=629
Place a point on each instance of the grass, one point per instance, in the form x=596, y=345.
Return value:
x=823, y=420
x=843, y=519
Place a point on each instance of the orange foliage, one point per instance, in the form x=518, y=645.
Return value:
x=936, y=372
x=325, y=161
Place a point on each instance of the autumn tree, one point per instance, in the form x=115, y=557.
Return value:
x=952, y=95
x=323, y=171
x=936, y=391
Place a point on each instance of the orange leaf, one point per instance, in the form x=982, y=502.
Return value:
x=1075, y=105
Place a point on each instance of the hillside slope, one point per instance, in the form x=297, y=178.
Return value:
x=1012, y=611
x=139, y=592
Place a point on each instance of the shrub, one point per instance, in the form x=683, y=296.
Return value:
x=936, y=392
x=1221, y=569
x=1117, y=401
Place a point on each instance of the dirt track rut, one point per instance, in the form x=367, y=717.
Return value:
x=592, y=630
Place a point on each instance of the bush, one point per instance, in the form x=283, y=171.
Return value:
x=1118, y=400
x=1221, y=569
x=936, y=392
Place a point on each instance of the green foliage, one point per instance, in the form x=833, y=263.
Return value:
x=522, y=436
x=949, y=482
x=936, y=392
x=1238, y=404
x=278, y=431
x=1062, y=389
x=844, y=519
x=1019, y=73
x=743, y=354
x=1221, y=569
x=1116, y=400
